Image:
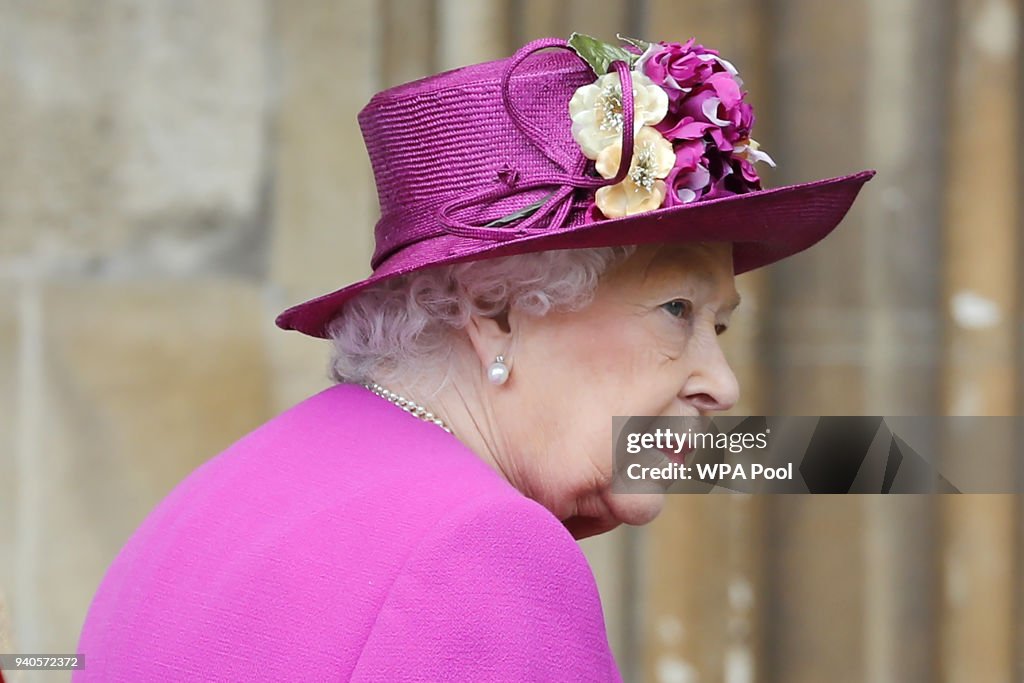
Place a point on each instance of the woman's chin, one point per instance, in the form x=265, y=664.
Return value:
x=635, y=509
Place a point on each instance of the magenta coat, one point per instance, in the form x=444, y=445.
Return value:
x=347, y=540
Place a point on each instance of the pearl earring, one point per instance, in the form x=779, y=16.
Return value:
x=497, y=372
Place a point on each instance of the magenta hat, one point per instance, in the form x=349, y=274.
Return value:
x=547, y=150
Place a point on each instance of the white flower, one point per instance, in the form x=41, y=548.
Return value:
x=750, y=150
x=596, y=110
x=643, y=188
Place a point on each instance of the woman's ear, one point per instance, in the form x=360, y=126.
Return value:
x=492, y=336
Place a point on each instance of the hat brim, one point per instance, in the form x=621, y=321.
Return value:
x=764, y=226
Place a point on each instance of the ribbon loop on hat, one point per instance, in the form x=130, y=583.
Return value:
x=479, y=225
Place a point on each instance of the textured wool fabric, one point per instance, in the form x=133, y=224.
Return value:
x=347, y=540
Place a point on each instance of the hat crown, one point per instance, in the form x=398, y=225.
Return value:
x=489, y=161
x=436, y=139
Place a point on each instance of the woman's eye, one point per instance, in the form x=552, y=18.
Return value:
x=679, y=308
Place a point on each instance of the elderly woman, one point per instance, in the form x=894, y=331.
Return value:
x=558, y=241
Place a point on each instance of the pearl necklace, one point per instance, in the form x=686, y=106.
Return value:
x=406, y=405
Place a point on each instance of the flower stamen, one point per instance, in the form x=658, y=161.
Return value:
x=610, y=103
x=643, y=173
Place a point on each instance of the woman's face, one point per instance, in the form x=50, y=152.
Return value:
x=647, y=345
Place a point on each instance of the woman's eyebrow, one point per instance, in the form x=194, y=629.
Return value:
x=708, y=279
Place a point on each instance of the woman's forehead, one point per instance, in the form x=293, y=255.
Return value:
x=681, y=256
x=705, y=263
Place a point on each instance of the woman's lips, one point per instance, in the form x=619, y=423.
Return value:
x=680, y=457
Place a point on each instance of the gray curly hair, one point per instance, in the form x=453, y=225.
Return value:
x=408, y=322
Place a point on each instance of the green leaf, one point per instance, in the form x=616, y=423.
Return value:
x=597, y=54
x=641, y=45
x=522, y=213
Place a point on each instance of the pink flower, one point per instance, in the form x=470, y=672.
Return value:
x=708, y=122
x=717, y=104
x=687, y=186
x=679, y=68
x=730, y=176
x=686, y=128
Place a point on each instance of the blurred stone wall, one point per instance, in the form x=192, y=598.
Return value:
x=140, y=270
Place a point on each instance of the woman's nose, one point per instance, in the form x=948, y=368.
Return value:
x=712, y=387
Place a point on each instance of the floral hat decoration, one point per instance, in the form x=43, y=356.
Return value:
x=574, y=144
x=691, y=125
